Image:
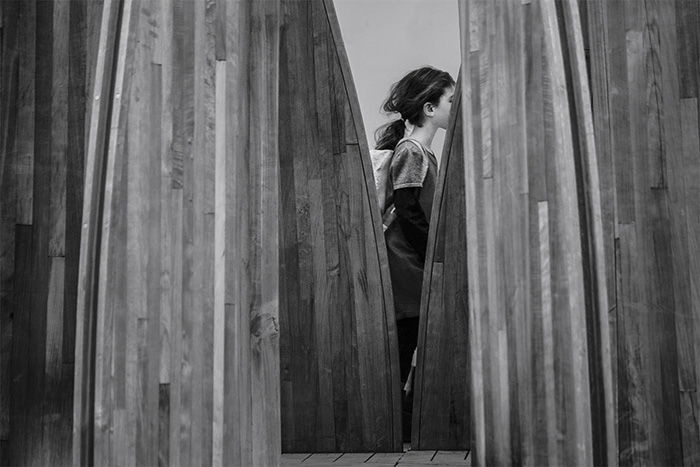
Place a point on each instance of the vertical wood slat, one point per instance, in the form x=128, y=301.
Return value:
x=523, y=231
x=25, y=116
x=264, y=325
x=40, y=187
x=646, y=124
x=96, y=136
x=338, y=332
x=8, y=213
x=594, y=222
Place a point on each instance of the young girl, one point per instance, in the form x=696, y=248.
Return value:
x=423, y=99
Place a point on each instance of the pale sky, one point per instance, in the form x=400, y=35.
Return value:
x=385, y=39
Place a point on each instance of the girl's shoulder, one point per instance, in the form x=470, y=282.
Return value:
x=414, y=149
x=412, y=146
x=409, y=165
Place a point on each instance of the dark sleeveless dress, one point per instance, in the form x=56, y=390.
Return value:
x=410, y=168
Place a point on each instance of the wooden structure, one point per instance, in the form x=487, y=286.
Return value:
x=540, y=373
x=644, y=61
x=177, y=338
x=441, y=413
x=46, y=67
x=340, y=380
x=174, y=174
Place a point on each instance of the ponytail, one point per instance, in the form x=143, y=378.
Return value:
x=389, y=135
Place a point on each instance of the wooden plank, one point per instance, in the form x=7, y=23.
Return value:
x=237, y=416
x=326, y=440
x=83, y=393
x=110, y=340
x=293, y=459
x=208, y=207
x=450, y=457
x=417, y=457
x=384, y=458
x=220, y=265
x=140, y=383
x=691, y=146
x=324, y=183
x=167, y=273
x=264, y=325
x=26, y=92
x=353, y=458
x=300, y=415
x=202, y=179
x=75, y=171
x=151, y=368
x=251, y=366
x=322, y=458
x=59, y=128
x=183, y=438
x=470, y=20
x=600, y=371
x=597, y=38
x=41, y=196
x=8, y=85
x=57, y=449
x=374, y=231
x=21, y=329
x=168, y=216
x=94, y=15
x=688, y=20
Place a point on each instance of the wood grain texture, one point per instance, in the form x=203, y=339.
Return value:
x=185, y=336
x=43, y=86
x=339, y=374
x=645, y=110
x=540, y=375
x=8, y=212
x=441, y=417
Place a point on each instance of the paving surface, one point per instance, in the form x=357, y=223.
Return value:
x=380, y=459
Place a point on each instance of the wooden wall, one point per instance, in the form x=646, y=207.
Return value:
x=178, y=291
x=644, y=66
x=159, y=204
x=441, y=412
x=540, y=373
x=340, y=380
x=45, y=72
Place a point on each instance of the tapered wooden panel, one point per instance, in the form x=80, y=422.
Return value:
x=540, y=371
x=179, y=303
x=339, y=375
x=441, y=418
x=43, y=83
x=644, y=62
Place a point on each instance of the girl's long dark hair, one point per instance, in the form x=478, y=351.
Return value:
x=407, y=98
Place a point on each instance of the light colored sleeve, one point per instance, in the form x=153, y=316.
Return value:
x=408, y=166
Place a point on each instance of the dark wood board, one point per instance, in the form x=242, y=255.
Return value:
x=340, y=385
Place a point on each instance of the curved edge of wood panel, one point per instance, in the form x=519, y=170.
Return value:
x=392, y=340
x=83, y=397
x=438, y=205
x=595, y=232
x=106, y=111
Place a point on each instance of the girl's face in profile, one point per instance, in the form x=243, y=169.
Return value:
x=442, y=111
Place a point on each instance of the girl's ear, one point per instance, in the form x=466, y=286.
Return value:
x=428, y=109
